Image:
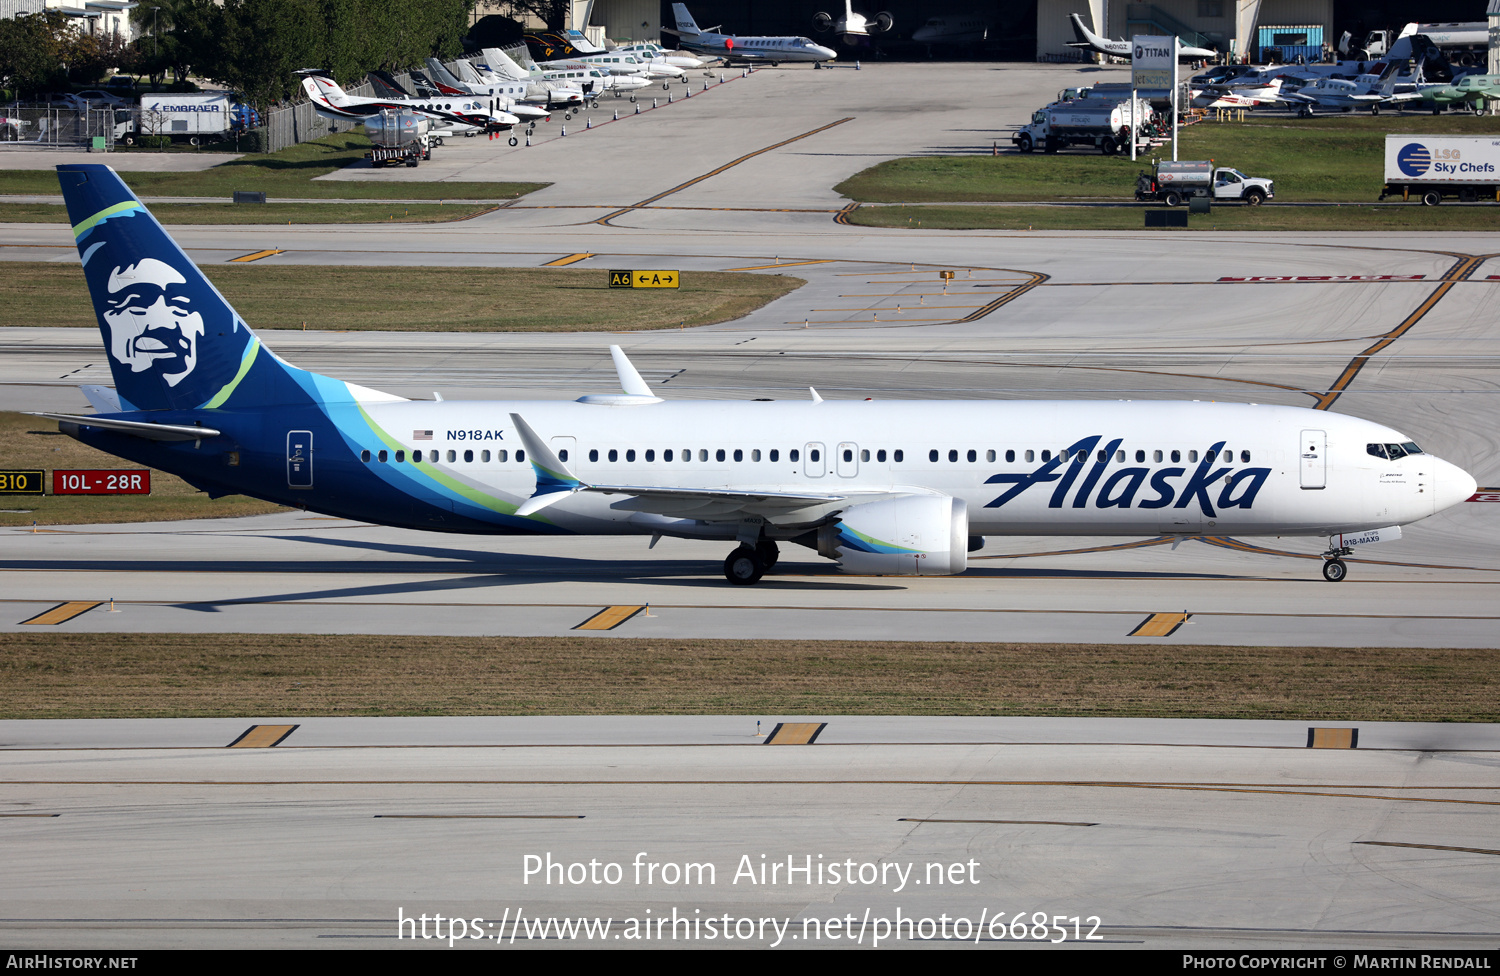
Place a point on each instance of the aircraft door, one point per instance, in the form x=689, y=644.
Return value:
x=299, y=462
x=565, y=448
x=1313, y=449
x=814, y=464
x=847, y=460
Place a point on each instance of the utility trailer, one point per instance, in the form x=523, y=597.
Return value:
x=1435, y=168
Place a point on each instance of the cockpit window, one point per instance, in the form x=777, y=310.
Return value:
x=1392, y=452
x=1376, y=450
x=1411, y=448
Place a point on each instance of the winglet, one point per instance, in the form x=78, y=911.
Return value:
x=815, y=397
x=630, y=378
x=554, y=481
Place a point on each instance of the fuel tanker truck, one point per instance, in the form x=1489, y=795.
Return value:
x=398, y=136
x=1103, y=124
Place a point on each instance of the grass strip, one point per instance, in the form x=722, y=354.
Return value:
x=289, y=173
x=1344, y=217
x=271, y=213
x=272, y=296
x=71, y=675
x=1333, y=158
x=31, y=443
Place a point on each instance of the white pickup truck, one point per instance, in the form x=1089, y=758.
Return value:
x=1173, y=183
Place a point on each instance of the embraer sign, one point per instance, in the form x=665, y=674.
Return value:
x=1153, y=62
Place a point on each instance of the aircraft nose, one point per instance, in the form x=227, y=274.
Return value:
x=1451, y=485
x=828, y=52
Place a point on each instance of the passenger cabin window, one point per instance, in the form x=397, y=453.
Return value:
x=793, y=454
x=561, y=455
x=364, y=456
x=650, y=455
x=775, y=454
x=468, y=457
x=593, y=454
x=630, y=454
x=1176, y=456
x=520, y=455
x=614, y=455
x=667, y=454
x=899, y=456
x=1010, y=457
x=452, y=456
x=1244, y=457
x=500, y=455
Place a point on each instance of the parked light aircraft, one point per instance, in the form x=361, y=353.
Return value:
x=1121, y=49
x=500, y=95
x=852, y=27
x=744, y=50
x=1345, y=96
x=889, y=488
x=331, y=101
x=554, y=93
x=1470, y=91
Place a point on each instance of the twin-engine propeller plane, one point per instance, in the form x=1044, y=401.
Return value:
x=894, y=488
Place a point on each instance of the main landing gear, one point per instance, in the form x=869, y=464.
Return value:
x=1334, y=569
x=747, y=564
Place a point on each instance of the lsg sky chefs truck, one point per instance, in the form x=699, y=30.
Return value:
x=1431, y=168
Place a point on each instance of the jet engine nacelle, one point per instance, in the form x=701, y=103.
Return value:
x=913, y=535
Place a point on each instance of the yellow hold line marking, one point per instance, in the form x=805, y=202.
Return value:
x=563, y=262
x=795, y=733
x=1160, y=625
x=262, y=736
x=256, y=256
x=609, y=618
x=62, y=613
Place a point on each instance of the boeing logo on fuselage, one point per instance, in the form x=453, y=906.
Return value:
x=1237, y=490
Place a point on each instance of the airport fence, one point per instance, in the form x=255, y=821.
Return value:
x=54, y=127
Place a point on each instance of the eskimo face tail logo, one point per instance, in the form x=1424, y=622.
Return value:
x=1414, y=159
x=152, y=324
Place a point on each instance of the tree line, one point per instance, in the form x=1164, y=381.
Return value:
x=250, y=46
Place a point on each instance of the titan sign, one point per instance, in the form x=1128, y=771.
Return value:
x=1153, y=61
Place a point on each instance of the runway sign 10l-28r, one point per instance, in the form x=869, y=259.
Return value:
x=85, y=482
x=644, y=279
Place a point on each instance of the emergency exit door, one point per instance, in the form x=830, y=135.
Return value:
x=1314, y=453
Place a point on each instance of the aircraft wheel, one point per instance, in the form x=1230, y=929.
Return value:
x=769, y=554
x=666, y=86
x=1374, y=109
x=1173, y=199
x=567, y=116
x=1334, y=570
x=1431, y=198
x=514, y=140
x=743, y=567
x=632, y=97
x=1477, y=108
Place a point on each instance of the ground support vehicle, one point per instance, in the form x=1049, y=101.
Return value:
x=198, y=118
x=399, y=136
x=1434, y=168
x=1174, y=183
x=1104, y=125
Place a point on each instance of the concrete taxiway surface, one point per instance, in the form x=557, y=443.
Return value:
x=1149, y=834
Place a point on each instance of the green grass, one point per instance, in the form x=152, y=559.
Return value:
x=1345, y=217
x=289, y=173
x=1326, y=158
x=274, y=296
x=74, y=675
x=269, y=213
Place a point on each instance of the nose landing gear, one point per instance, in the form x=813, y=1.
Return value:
x=1334, y=569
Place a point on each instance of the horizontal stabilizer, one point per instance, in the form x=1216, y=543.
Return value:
x=135, y=428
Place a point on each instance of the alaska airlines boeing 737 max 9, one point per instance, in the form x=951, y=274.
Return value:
x=894, y=487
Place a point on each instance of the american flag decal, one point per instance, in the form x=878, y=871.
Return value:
x=421, y=435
